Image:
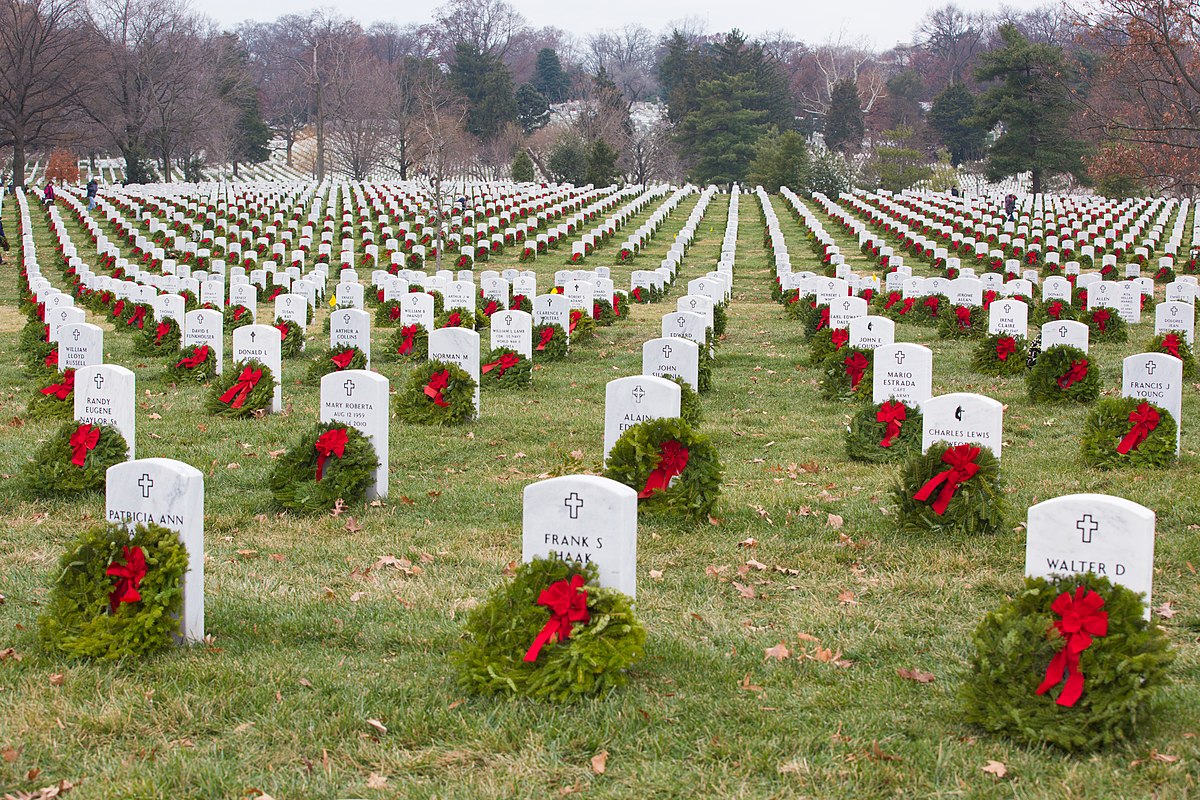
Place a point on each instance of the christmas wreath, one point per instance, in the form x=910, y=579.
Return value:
x=410, y=343
x=825, y=342
x=1000, y=354
x=291, y=343
x=621, y=305
x=157, y=338
x=74, y=460
x=951, y=488
x=388, y=314
x=720, y=320
x=887, y=431
x=550, y=634
x=1063, y=372
x=56, y=400
x=1174, y=343
x=550, y=342
x=848, y=373
x=674, y=469
x=1080, y=627
x=1106, y=325
x=247, y=387
x=602, y=313
x=236, y=317
x=437, y=393
x=45, y=368
x=521, y=303
x=331, y=462
x=1053, y=311
x=195, y=362
x=582, y=325
x=457, y=318
x=337, y=359
x=962, y=322
x=136, y=317
x=1128, y=432
x=118, y=593
x=690, y=410
x=504, y=368
x=35, y=341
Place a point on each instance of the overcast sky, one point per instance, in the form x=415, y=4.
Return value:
x=882, y=23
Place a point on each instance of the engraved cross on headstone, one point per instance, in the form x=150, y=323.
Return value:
x=899, y=356
x=99, y=381
x=1087, y=526
x=145, y=483
x=1150, y=366
x=638, y=393
x=573, y=503
x=75, y=334
x=349, y=387
x=666, y=351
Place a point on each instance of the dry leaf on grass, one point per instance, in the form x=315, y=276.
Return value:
x=58, y=679
x=377, y=781
x=600, y=762
x=352, y=525
x=339, y=508
x=779, y=652
x=750, y=542
x=377, y=725
x=746, y=685
x=745, y=591
x=656, y=575
x=996, y=768
x=834, y=521
x=916, y=675
x=1165, y=611
x=846, y=598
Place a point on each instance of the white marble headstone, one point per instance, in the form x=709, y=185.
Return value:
x=904, y=372
x=672, y=358
x=1156, y=377
x=457, y=346
x=871, y=332
x=261, y=343
x=206, y=326
x=360, y=398
x=628, y=401
x=80, y=344
x=351, y=326
x=105, y=394
x=963, y=418
x=1065, y=332
x=514, y=330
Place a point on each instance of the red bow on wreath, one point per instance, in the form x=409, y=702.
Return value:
x=162, y=330
x=547, y=335
x=891, y=414
x=235, y=396
x=491, y=308
x=330, y=443
x=84, y=439
x=567, y=602
x=839, y=336
x=51, y=359
x=433, y=389
x=575, y=317
x=139, y=316
x=502, y=364
x=1145, y=419
x=1076, y=373
x=932, y=302
x=672, y=460
x=195, y=359
x=129, y=577
x=237, y=313
x=856, y=366
x=406, y=346
x=1055, y=310
x=1101, y=318
x=61, y=390
x=961, y=459
x=283, y=331
x=1170, y=344
x=1081, y=619
x=394, y=313
x=1005, y=347
x=453, y=321
x=823, y=322
x=964, y=316
x=119, y=308
x=616, y=305
x=342, y=360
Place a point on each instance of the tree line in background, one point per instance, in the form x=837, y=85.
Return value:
x=1108, y=95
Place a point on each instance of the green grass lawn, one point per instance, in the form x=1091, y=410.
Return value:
x=310, y=639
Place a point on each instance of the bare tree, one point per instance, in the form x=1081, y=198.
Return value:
x=838, y=59
x=443, y=119
x=362, y=138
x=628, y=56
x=42, y=77
x=490, y=25
x=952, y=40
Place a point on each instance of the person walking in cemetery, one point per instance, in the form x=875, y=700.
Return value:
x=1010, y=206
x=3, y=242
x=93, y=187
x=48, y=193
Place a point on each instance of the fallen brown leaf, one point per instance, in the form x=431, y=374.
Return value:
x=746, y=685
x=58, y=679
x=377, y=781
x=779, y=652
x=745, y=591
x=916, y=675
x=377, y=725
x=834, y=521
x=995, y=768
x=352, y=525
x=600, y=762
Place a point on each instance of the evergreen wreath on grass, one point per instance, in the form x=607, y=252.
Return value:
x=136, y=317
x=246, y=387
x=521, y=303
x=55, y=400
x=674, y=468
x=887, y=431
x=410, y=343
x=1061, y=373
x=1001, y=355
x=621, y=305
x=33, y=342
x=1128, y=432
x=962, y=482
x=74, y=460
x=825, y=343
x=387, y=315
x=690, y=410
x=549, y=342
x=505, y=368
x=196, y=362
x=457, y=318
x=848, y=374
x=704, y=371
x=1106, y=325
x=582, y=325
x=720, y=320
x=439, y=302
x=336, y=359
x=1174, y=343
x=158, y=338
x=331, y=462
x=598, y=637
x=437, y=393
x=602, y=313
x=1018, y=648
x=117, y=595
x=962, y=322
x=45, y=369
x=292, y=342
x=237, y=316
x=1052, y=311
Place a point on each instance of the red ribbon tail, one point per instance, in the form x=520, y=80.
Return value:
x=320, y=465
x=1054, y=672
x=542, y=638
x=79, y=455
x=1131, y=440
